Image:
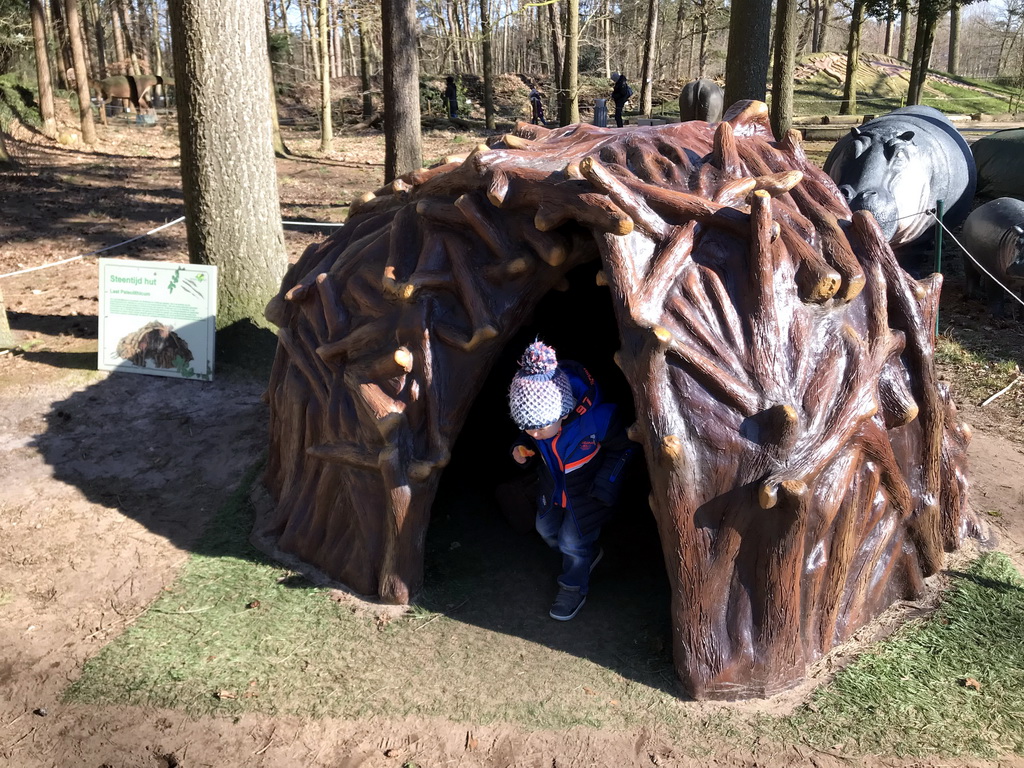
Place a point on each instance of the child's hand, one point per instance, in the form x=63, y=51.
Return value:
x=521, y=453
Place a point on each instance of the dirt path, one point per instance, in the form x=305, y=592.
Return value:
x=109, y=479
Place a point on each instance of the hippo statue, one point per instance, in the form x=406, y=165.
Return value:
x=994, y=235
x=701, y=99
x=897, y=165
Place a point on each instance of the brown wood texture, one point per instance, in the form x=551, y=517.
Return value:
x=807, y=467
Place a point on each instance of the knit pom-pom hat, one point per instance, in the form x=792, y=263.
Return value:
x=540, y=393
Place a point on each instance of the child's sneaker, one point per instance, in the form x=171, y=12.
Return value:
x=567, y=604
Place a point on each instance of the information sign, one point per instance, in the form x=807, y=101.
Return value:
x=157, y=318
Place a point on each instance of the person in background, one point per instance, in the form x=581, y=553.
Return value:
x=579, y=449
x=537, y=107
x=620, y=95
x=451, y=97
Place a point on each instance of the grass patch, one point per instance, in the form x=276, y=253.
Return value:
x=976, y=376
x=298, y=651
x=951, y=685
x=236, y=633
x=952, y=98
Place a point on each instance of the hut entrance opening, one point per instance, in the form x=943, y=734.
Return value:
x=482, y=520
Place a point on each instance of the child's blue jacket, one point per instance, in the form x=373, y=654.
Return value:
x=582, y=466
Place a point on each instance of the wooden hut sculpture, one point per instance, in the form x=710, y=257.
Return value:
x=807, y=468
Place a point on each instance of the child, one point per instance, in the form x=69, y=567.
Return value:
x=537, y=106
x=579, y=449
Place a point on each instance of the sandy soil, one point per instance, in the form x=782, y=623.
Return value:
x=109, y=479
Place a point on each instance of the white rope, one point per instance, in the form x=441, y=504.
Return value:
x=313, y=223
x=977, y=263
x=146, y=234
x=93, y=253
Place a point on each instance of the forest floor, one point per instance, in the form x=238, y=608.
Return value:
x=109, y=481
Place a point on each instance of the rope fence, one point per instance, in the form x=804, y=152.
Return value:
x=930, y=211
x=146, y=234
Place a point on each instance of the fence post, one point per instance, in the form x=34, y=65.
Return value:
x=940, y=206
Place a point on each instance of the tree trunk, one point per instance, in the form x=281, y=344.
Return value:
x=650, y=46
x=702, y=54
x=570, y=113
x=889, y=17
x=232, y=209
x=826, y=20
x=677, y=41
x=74, y=29
x=277, y=140
x=46, y=109
x=904, y=31
x=815, y=14
x=746, y=66
x=6, y=337
x=402, y=141
x=62, y=42
x=309, y=45
x=607, y=29
x=784, y=67
x=100, y=33
x=849, y=104
x=488, y=59
x=6, y=163
x=923, y=40
x=557, y=53
x=326, y=126
x=337, y=33
x=364, y=68
x=953, y=62
x=129, y=38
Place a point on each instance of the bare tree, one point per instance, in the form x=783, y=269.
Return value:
x=74, y=29
x=785, y=65
x=488, y=59
x=557, y=52
x=229, y=179
x=326, y=128
x=650, y=46
x=280, y=148
x=953, y=61
x=746, y=68
x=6, y=337
x=46, y=108
x=403, y=150
x=849, y=104
x=570, y=106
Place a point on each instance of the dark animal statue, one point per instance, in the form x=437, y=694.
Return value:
x=806, y=465
x=994, y=235
x=897, y=165
x=131, y=87
x=701, y=99
x=1000, y=160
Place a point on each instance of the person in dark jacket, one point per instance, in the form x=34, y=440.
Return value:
x=579, y=448
x=537, y=107
x=620, y=95
x=451, y=96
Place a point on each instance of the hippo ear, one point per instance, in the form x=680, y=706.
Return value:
x=906, y=136
x=855, y=131
x=1018, y=229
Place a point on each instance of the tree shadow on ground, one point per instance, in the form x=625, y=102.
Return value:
x=165, y=452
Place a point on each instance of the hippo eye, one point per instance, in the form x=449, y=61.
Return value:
x=897, y=153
